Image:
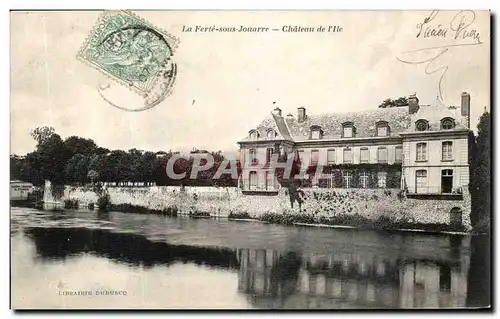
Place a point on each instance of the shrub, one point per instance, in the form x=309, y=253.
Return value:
x=104, y=202
x=91, y=206
x=71, y=203
x=239, y=215
x=199, y=214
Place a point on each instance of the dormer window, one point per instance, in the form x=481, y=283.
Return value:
x=316, y=132
x=271, y=134
x=421, y=125
x=447, y=123
x=348, y=129
x=254, y=134
x=382, y=128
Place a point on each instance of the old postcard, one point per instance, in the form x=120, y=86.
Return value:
x=250, y=159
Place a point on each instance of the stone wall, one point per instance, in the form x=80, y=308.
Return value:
x=369, y=203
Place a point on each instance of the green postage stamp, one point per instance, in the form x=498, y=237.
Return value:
x=129, y=50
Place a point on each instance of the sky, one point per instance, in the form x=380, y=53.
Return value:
x=228, y=82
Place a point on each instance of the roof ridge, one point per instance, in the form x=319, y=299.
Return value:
x=378, y=110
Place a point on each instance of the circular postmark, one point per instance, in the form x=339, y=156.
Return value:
x=135, y=57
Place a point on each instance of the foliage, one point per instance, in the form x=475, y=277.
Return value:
x=104, y=202
x=239, y=215
x=129, y=208
x=71, y=203
x=354, y=220
x=402, y=101
x=93, y=176
x=480, y=171
x=41, y=134
x=78, y=161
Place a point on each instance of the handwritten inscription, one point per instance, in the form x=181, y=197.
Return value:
x=458, y=27
x=457, y=32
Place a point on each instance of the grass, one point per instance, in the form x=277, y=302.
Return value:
x=356, y=220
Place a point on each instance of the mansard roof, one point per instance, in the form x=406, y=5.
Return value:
x=275, y=122
x=434, y=113
x=364, y=122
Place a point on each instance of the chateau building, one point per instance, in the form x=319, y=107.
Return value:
x=420, y=149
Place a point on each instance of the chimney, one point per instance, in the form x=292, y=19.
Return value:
x=290, y=117
x=413, y=104
x=465, y=107
x=301, y=114
x=277, y=111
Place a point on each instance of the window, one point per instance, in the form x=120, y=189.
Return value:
x=316, y=132
x=348, y=129
x=382, y=128
x=331, y=156
x=364, y=156
x=447, y=151
x=253, y=180
x=330, y=180
x=347, y=179
x=347, y=155
x=314, y=157
x=381, y=179
x=421, y=152
x=447, y=123
x=269, y=181
x=382, y=154
x=447, y=181
x=254, y=134
x=363, y=179
x=382, y=131
x=269, y=155
x=398, y=158
x=271, y=134
x=422, y=125
x=421, y=181
x=252, y=156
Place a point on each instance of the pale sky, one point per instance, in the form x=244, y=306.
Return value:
x=227, y=82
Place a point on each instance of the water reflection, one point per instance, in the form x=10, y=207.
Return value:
x=274, y=280
x=136, y=250
x=293, y=277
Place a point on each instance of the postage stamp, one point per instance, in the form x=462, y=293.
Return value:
x=129, y=50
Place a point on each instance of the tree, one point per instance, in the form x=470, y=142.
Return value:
x=480, y=184
x=402, y=101
x=51, y=158
x=93, y=176
x=80, y=145
x=42, y=133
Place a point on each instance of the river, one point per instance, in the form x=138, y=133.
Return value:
x=124, y=260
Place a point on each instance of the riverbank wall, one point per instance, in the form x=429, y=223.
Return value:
x=321, y=204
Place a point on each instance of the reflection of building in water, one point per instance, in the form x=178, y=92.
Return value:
x=281, y=280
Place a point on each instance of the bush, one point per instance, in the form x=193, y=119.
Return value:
x=136, y=209
x=91, y=206
x=71, y=203
x=104, y=202
x=199, y=214
x=239, y=215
